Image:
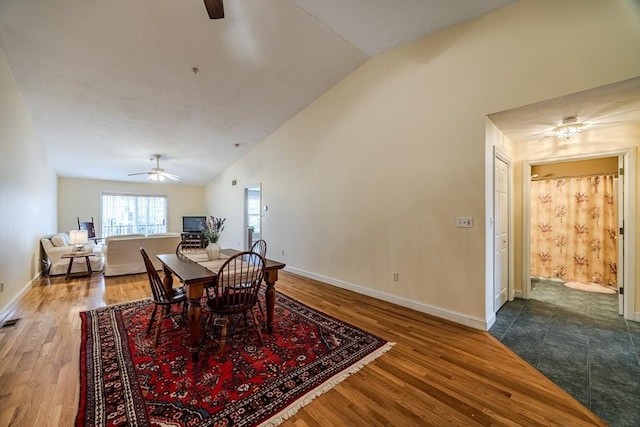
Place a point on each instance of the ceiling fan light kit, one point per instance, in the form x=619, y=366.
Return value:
x=156, y=177
x=157, y=174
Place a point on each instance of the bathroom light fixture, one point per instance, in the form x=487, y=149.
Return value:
x=569, y=127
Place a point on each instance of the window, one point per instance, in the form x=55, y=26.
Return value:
x=133, y=214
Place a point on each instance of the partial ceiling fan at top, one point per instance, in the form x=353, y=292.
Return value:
x=157, y=173
x=215, y=9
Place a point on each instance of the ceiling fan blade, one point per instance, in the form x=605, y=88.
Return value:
x=140, y=173
x=170, y=176
x=215, y=9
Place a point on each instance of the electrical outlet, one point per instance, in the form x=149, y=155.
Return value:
x=464, y=222
x=395, y=276
x=282, y=252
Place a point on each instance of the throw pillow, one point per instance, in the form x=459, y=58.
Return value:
x=59, y=241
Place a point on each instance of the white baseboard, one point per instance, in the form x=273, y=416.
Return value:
x=519, y=294
x=6, y=311
x=490, y=321
x=461, y=318
x=636, y=317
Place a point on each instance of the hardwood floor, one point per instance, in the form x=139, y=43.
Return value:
x=438, y=373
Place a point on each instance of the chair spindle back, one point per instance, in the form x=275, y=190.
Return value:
x=157, y=287
x=239, y=279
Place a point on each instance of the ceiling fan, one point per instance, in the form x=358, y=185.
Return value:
x=157, y=173
x=215, y=9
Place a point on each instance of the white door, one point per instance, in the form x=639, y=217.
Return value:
x=620, y=207
x=501, y=234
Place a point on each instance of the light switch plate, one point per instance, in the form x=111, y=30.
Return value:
x=464, y=222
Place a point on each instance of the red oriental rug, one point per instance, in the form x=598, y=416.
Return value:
x=124, y=381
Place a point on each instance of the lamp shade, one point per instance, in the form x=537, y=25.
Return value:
x=78, y=237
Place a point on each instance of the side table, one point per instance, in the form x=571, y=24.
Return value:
x=79, y=254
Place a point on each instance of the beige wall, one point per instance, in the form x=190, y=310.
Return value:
x=27, y=193
x=369, y=178
x=81, y=198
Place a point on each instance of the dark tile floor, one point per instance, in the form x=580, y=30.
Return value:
x=578, y=340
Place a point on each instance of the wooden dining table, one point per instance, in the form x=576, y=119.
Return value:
x=196, y=278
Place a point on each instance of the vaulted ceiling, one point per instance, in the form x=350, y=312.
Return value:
x=111, y=83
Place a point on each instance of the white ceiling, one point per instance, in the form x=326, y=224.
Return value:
x=110, y=83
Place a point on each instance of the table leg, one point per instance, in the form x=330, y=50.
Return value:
x=88, y=266
x=194, y=311
x=68, y=276
x=167, y=281
x=270, y=278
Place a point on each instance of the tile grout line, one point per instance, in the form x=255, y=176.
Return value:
x=636, y=348
x=504, y=334
x=546, y=332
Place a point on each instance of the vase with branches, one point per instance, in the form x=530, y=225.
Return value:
x=212, y=230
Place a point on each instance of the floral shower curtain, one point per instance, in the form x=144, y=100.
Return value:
x=574, y=229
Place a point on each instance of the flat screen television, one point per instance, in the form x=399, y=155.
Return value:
x=193, y=224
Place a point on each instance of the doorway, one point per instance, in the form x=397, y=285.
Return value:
x=625, y=206
x=252, y=214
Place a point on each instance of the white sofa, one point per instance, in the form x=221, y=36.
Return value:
x=122, y=253
x=57, y=245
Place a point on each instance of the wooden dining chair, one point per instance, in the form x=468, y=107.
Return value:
x=90, y=229
x=189, y=245
x=236, y=292
x=161, y=298
x=260, y=247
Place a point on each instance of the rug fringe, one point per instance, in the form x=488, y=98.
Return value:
x=304, y=400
